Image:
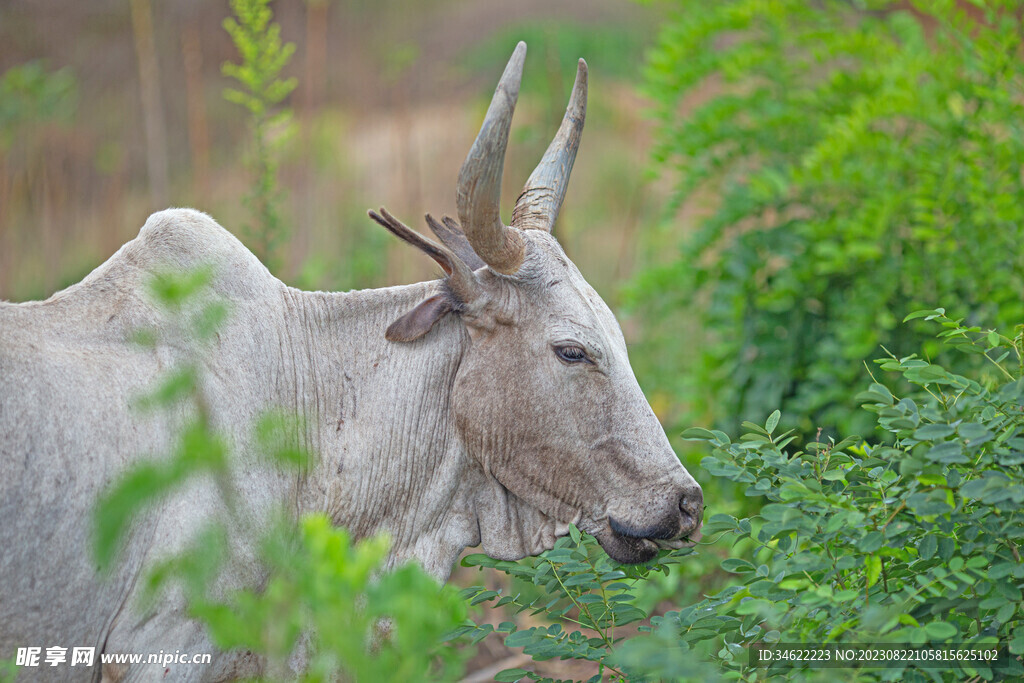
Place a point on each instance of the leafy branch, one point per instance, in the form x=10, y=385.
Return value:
x=580, y=580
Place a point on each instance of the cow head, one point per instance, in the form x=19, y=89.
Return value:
x=545, y=399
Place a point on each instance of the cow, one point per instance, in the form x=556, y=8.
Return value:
x=493, y=407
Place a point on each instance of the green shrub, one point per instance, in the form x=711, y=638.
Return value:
x=848, y=161
x=916, y=541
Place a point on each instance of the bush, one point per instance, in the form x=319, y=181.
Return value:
x=913, y=542
x=864, y=160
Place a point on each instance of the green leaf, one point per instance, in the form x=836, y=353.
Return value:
x=737, y=566
x=698, y=434
x=757, y=429
x=523, y=637
x=1006, y=612
x=940, y=630
x=483, y=597
x=932, y=432
x=1016, y=645
x=946, y=547
x=927, y=547
x=478, y=560
x=872, y=568
x=947, y=452
x=871, y=542
x=924, y=313
x=210, y=319
x=772, y=422
x=878, y=393
x=510, y=675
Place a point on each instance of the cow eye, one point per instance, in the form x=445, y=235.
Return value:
x=572, y=354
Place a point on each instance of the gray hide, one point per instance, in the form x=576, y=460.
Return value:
x=500, y=408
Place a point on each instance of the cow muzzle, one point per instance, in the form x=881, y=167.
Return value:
x=630, y=543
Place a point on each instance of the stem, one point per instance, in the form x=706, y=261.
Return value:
x=604, y=598
x=581, y=608
x=839, y=579
x=895, y=512
x=578, y=623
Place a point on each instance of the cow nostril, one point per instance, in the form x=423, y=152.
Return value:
x=691, y=504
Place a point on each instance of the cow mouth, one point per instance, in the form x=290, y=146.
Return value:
x=626, y=548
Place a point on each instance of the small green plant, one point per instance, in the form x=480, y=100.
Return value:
x=363, y=623
x=325, y=596
x=258, y=41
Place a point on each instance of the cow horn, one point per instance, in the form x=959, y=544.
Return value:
x=538, y=205
x=451, y=236
x=461, y=280
x=479, y=189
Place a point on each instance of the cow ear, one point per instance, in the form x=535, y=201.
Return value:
x=419, y=320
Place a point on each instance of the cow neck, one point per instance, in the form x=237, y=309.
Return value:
x=389, y=456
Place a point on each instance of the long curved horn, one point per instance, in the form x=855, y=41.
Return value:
x=479, y=189
x=542, y=196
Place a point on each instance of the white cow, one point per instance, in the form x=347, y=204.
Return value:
x=493, y=407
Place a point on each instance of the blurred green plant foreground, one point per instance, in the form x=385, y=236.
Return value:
x=848, y=162
x=318, y=583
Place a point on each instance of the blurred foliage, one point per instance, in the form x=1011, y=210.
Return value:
x=8, y=670
x=31, y=95
x=35, y=103
x=362, y=624
x=194, y=318
x=258, y=41
x=584, y=593
x=326, y=599
x=863, y=159
x=914, y=542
